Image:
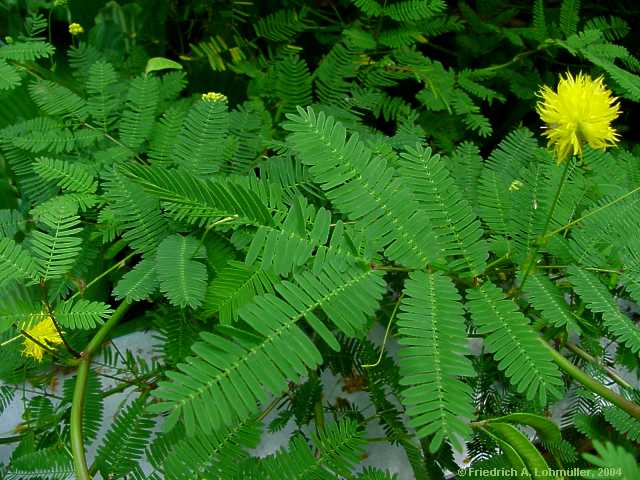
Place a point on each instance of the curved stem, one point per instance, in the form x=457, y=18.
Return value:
x=79, y=392
x=77, y=407
x=386, y=335
x=628, y=406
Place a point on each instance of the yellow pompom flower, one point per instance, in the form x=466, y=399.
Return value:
x=580, y=112
x=214, y=97
x=46, y=333
x=75, y=29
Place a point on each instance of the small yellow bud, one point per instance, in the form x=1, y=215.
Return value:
x=214, y=97
x=515, y=186
x=75, y=29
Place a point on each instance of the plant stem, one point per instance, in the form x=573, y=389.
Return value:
x=115, y=266
x=532, y=256
x=79, y=392
x=631, y=408
x=589, y=358
x=69, y=348
x=592, y=212
x=77, y=407
x=386, y=335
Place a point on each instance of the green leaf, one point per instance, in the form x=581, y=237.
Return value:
x=598, y=299
x=234, y=286
x=73, y=177
x=232, y=368
x=182, y=279
x=546, y=297
x=456, y=226
x=15, y=262
x=547, y=429
x=197, y=148
x=124, y=444
x=514, y=343
x=614, y=459
x=364, y=187
x=530, y=455
x=9, y=76
x=433, y=346
x=56, y=245
x=160, y=63
x=139, y=283
x=82, y=314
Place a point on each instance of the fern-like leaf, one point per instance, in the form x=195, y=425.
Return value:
x=197, y=147
x=599, y=300
x=71, y=177
x=363, y=187
x=137, y=118
x=182, y=279
x=412, y=10
x=125, y=441
x=339, y=448
x=195, y=200
x=226, y=377
x=514, y=344
x=26, y=51
x=56, y=245
x=139, y=283
x=15, y=262
x=547, y=298
x=432, y=357
x=281, y=26
x=615, y=459
x=82, y=314
x=137, y=212
x=293, y=83
x=9, y=76
x=234, y=286
x=55, y=99
x=454, y=222
x=102, y=100
x=52, y=463
x=212, y=456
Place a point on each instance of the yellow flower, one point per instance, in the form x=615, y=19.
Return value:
x=213, y=97
x=579, y=112
x=75, y=29
x=46, y=333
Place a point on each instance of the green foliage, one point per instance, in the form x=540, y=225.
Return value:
x=81, y=314
x=182, y=279
x=432, y=357
x=513, y=343
x=124, y=443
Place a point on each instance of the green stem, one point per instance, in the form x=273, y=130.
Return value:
x=115, y=266
x=531, y=259
x=101, y=335
x=79, y=392
x=77, y=444
x=591, y=359
x=631, y=408
x=386, y=335
x=593, y=212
